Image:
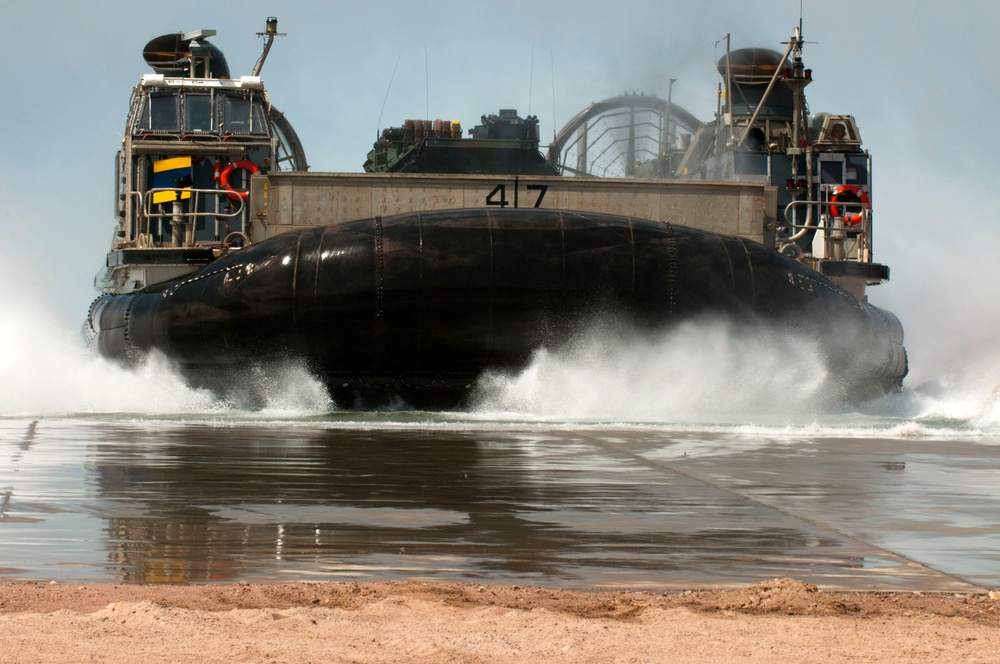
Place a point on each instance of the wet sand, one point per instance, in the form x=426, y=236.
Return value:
x=774, y=621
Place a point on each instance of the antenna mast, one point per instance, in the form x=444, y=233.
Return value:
x=270, y=32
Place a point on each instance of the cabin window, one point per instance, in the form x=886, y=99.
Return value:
x=258, y=124
x=198, y=112
x=143, y=122
x=243, y=116
x=840, y=129
x=236, y=117
x=163, y=113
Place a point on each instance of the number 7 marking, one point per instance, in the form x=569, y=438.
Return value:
x=541, y=189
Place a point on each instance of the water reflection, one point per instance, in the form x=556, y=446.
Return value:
x=192, y=502
x=210, y=503
x=204, y=503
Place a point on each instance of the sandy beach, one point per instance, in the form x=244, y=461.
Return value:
x=777, y=621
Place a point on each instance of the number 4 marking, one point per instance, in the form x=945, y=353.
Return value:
x=491, y=197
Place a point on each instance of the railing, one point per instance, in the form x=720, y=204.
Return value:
x=841, y=241
x=182, y=214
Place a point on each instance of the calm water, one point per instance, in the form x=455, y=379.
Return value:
x=381, y=497
x=694, y=459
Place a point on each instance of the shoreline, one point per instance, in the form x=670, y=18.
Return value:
x=778, y=620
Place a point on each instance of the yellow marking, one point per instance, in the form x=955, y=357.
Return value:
x=168, y=196
x=181, y=166
x=170, y=164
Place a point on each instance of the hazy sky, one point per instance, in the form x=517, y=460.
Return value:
x=922, y=79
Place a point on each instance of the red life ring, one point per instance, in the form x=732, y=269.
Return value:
x=850, y=193
x=243, y=164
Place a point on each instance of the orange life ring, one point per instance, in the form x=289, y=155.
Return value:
x=243, y=164
x=858, y=194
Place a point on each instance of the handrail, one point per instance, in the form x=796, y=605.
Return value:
x=190, y=214
x=230, y=195
x=865, y=207
x=833, y=232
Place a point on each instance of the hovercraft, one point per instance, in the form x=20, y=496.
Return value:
x=453, y=256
